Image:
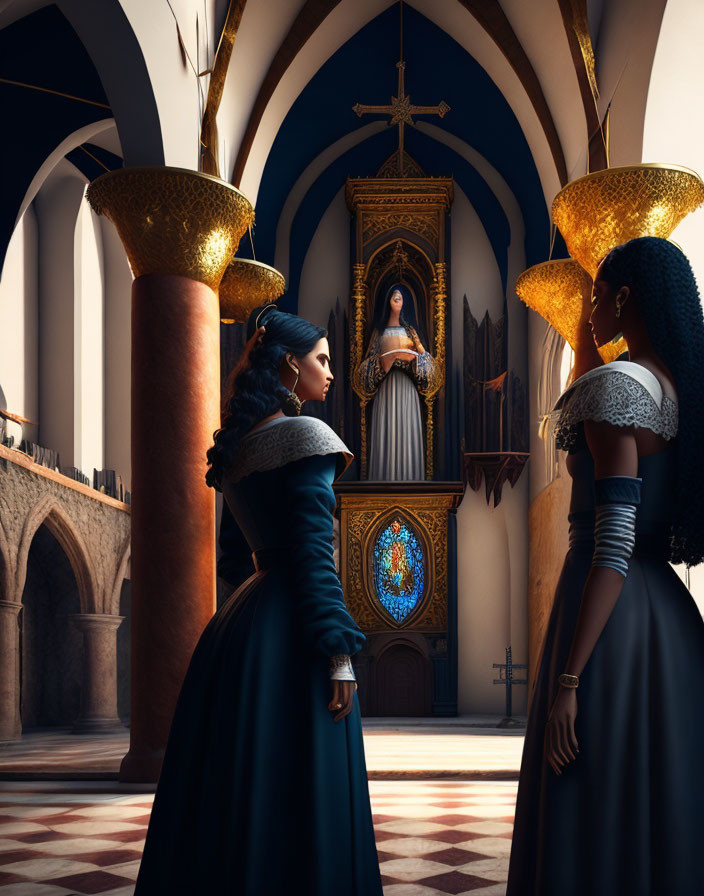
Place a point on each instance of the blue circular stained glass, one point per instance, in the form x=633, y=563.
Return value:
x=399, y=569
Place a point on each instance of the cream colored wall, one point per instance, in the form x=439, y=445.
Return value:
x=674, y=132
x=628, y=35
x=474, y=270
x=118, y=291
x=57, y=204
x=89, y=349
x=65, y=328
x=492, y=598
x=492, y=543
x=19, y=335
x=326, y=269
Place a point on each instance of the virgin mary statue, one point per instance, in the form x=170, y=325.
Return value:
x=396, y=367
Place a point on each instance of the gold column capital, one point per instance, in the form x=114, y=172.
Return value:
x=173, y=220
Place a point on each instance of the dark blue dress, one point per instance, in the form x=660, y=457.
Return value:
x=625, y=817
x=261, y=793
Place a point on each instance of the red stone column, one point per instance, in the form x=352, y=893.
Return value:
x=175, y=410
x=180, y=230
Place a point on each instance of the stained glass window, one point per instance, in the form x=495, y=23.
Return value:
x=399, y=569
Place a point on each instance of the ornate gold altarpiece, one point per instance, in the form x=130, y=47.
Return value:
x=400, y=220
x=428, y=508
x=408, y=666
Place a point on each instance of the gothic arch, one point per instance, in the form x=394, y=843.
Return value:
x=6, y=590
x=391, y=237
x=82, y=135
x=48, y=511
x=109, y=37
x=114, y=598
x=488, y=33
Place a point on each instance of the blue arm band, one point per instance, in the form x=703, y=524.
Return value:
x=616, y=498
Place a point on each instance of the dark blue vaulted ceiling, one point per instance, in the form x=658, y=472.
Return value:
x=364, y=71
x=43, y=50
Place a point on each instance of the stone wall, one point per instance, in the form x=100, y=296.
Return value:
x=64, y=556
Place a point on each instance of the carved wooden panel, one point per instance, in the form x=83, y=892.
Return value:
x=362, y=517
x=425, y=225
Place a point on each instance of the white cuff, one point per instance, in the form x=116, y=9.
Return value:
x=341, y=668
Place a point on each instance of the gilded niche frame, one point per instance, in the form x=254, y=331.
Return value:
x=368, y=582
x=426, y=507
x=411, y=211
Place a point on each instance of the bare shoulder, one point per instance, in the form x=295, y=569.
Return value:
x=614, y=448
x=662, y=374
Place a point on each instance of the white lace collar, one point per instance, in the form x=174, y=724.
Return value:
x=645, y=377
x=623, y=393
x=282, y=440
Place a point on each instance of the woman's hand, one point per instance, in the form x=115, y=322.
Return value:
x=342, y=698
x=387, y=361
x=561, y=744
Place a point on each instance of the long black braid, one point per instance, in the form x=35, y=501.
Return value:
x=254, y=389
x=661, y=280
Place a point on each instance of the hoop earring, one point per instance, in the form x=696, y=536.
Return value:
x=291, y=404
x=618, y=310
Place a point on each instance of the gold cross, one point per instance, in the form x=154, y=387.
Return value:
x=401, y=109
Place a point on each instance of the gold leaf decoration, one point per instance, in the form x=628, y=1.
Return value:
x=173, y=220
x=558, y=290
x=246, y=285
x=606, y=208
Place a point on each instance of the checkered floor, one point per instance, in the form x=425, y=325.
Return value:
x=442, y=837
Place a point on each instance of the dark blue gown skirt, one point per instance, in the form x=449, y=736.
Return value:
x=261, y=792
x=626, y=816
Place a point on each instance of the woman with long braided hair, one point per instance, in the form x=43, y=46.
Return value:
x=263, y=789
x=612, y=783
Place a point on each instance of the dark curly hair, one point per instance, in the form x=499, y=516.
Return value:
x=254, y=389
x=661, y=280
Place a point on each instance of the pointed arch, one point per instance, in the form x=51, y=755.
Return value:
x=114, y=597
x=49, y=512
x=316, y=35
x=6, y=568
x=76, y=138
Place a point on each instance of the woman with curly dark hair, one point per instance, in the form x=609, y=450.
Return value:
x=263, y=789
x=612, y=782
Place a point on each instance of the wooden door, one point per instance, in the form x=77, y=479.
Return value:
x=402, y=682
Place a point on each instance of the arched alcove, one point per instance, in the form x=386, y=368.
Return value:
x=50, y=644
x=49, y=512
x=402, y=681
x=6, y=590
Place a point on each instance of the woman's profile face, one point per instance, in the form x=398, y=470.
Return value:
x=603, y=321
x=316, y=375
x=396, y=300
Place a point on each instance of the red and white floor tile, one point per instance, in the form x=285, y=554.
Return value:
x=433, y=837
